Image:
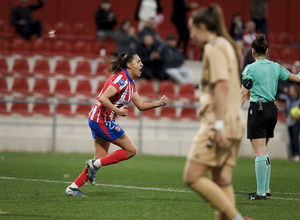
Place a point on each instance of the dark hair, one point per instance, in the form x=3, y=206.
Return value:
x=116, y=64
x=124, y=22
x=212, y=18
x=260, y=45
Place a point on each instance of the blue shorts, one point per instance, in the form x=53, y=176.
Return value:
x=109, y=130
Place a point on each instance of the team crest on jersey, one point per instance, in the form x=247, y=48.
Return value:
x=121, y=82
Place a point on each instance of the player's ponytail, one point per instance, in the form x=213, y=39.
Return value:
x=260, y=45
x=213, y=19
x=116, y=64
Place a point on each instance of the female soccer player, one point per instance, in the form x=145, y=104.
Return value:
x=215, y=146
x=112, y=101
x=261, y=79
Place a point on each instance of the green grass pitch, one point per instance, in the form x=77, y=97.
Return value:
x=145, y=187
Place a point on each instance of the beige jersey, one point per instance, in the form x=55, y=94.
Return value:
x=220, y=63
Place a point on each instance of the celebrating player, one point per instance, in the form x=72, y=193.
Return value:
x=261, y=79
x=112, y=101
x=215, y=146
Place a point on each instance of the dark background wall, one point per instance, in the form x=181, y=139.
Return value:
x=282, y=14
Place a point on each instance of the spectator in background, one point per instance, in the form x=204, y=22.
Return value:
x=296, y=67
x=173, y=59
x=149, y=52
x=22, y=19
x=147, y=9
x=180, y=21
x=237, y=27
x=150, y=28
x=126, y=39
x=292, y=99
x=259, y=14
x=106, y=20
x=249, y=36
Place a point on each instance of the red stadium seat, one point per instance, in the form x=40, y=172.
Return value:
x=41, y=86
x=101, y=66
x=189, y=113
x=131, y=112
x=3, y=85
x=83, y=88
x=5, y=47
x=83, y=109
x=63, y=31
x=187, y=90
x=41, y=67
x=100, y=86
x=4, y=30
x=3, y=66
x=82, y=32
x=42, y=108
x=167, y=88
x=150, y=113
x=63, y=108
x=168, y=112
x=63, y=67
x=146, y=89
x=20, y=85
x=288, y=55
x=21, y=66
x=20, y=107
x=62, y=48
x=84, y=49
x=83, y=68
x=41, y=47
x=21, y=46
x=62, y=87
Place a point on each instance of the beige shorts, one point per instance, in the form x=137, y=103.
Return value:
x=204, y=149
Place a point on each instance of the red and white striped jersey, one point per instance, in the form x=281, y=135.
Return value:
x=125, y=86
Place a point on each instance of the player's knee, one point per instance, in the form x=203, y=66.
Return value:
x=131, y=152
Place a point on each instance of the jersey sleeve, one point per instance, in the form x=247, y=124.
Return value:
x=119, y=83
x=218, y=64
x=246, y=74
x=284, y=74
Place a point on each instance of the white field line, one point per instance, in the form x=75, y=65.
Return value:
x=238, y=193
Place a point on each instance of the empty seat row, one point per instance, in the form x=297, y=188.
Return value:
x=49, y=48
x=42, y=87
x=83, y=107
x=41, y=66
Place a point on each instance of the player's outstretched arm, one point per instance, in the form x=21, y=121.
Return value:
x=294, y=77
x=142, y=106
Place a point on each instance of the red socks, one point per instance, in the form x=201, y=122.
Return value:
x=82, y=178
x=114, y=157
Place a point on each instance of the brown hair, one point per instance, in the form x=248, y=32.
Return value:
x=212, y=18
x=116, y=64
x=260, y=45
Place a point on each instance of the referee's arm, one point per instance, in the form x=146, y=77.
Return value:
x=295, y=77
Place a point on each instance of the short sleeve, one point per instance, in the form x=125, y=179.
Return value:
x=246, y=74
x=119, y=83
x=218, y=64
x=284, y=74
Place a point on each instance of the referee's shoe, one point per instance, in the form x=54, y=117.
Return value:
x=255, y=196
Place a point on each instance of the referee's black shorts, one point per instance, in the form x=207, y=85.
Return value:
x=261, y=124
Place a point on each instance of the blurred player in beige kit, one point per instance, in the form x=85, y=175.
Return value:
x=216, y=144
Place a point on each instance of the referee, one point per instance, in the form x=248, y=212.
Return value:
x=261, y=79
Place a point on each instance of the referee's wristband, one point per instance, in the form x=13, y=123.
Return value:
x=219, y=124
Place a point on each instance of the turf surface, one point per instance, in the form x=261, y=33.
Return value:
x=145, y=187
